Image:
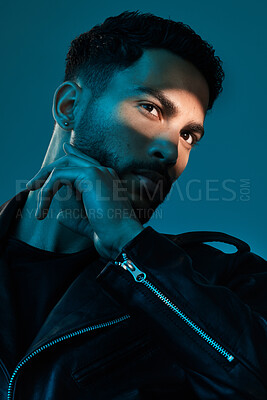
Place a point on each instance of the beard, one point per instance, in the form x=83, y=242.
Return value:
x=94, y=136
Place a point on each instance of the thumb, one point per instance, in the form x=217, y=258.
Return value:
x=70, y=149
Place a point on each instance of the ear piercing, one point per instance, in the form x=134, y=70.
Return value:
x=66, y=123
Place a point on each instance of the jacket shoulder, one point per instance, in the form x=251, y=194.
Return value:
x=213, y=263
x=200, y=237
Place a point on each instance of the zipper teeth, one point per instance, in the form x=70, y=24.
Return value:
x=186, y=319
x=55, y=341
x=189, y=322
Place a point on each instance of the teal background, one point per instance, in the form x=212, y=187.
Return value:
x=35, y=36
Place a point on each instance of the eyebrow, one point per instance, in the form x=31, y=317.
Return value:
x=197, y=128
x=170, y=109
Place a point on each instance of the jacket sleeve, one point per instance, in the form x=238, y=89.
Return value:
x=218, y=333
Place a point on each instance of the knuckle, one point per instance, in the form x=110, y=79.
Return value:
x=88, y=171
x=65, y=161
x=68, y=159
x=71, y=157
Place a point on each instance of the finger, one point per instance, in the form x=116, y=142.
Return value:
x=44, y=201
x=71, y=176
x=113, y=172
x=38, y=180
x=69, y=149
x=58, y=178
x=79, y=177
x=73, y=157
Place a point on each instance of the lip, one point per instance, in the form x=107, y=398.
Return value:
x=152, y=176
x=152, y=182
x=148, y=183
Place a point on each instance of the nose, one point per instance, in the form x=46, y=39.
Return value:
x=165, y=151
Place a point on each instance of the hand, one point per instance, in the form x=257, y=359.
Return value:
x=85, y=174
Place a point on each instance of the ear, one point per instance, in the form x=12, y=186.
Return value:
x=66, y=98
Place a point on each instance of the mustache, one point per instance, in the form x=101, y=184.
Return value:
x=167, y=179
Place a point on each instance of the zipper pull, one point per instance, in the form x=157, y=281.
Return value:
x=128, y=265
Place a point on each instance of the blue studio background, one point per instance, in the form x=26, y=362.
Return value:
x=224, y=185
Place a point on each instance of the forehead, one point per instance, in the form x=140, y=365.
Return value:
x=161, y=69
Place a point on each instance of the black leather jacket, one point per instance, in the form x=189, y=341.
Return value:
x=170, y=318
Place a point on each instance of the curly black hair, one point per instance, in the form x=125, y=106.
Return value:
x=120, y=41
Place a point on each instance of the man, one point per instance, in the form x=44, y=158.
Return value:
x=94, y=305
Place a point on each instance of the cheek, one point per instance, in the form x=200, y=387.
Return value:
x=132, y=134
x=183, y=157
x=132, y=119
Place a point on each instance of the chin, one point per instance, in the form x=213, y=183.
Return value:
x=143, y=207
x=144, y=210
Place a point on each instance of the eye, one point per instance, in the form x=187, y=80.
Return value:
x=150, y=109
x=189, y=138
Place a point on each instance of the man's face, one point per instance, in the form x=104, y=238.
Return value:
x=146, y=120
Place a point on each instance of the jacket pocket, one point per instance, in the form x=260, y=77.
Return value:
x=119, y=360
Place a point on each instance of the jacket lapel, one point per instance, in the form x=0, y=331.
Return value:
x=84, y=304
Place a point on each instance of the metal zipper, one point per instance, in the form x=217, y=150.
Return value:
x=53, y=342
x=140, y=276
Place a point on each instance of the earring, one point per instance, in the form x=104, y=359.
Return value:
x=66, y=123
